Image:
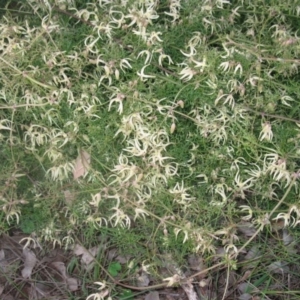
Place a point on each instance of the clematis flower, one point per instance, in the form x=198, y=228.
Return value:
x=266, y=133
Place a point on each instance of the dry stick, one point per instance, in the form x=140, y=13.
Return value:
x=167, y=71
x=72, y=15
x=23, y=105
x=261, y=58
x=227, y=282
x=27, y=76
x=254, y=111
x=272, y=116
x=151, y=287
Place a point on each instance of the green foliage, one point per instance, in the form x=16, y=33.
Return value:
x=126, y=295
x=186, y=112
x=114, y=268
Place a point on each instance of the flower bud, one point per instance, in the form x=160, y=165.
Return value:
x=180, y=103
x=173, y=127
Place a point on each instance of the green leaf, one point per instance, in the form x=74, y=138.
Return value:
x=126, y=295
x=114, y=269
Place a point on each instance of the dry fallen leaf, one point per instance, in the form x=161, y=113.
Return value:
x=30, y=261
x=196, y=263
x=87, y=259
x=253, y=253
x=252, y=258
x=189, y=290
x=2, y=254
x=247, y=288
x=246, y=275
x=72, y=283
x=152, y=296
x=82, y=164
x=246, y=228
x=279, y=267
x=87, y=255
x=123, y=259
x=60, y=267
x=143, y=280
x=277, y=225
x=178, y=276
x=34, y=291
x=78, y=249
x=287, y=237
x=245, y=297
x=112, y=253
x=42, y=290
x=8, y=297
x=1, y=289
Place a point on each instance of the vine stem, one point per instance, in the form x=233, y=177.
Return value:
x=272, y=116
x=27, y=76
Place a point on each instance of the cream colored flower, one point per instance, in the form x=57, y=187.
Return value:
x=142, y=74
x=266, y=133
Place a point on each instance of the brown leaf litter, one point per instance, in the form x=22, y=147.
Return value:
x=31, y=273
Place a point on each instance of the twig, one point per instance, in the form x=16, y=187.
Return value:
x=27, y=76
x=272, y=116
x=55, y=8
x=227, y=283
x=147, y=288
x=259, y=57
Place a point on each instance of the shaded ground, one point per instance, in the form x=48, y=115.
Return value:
x=29, y=271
